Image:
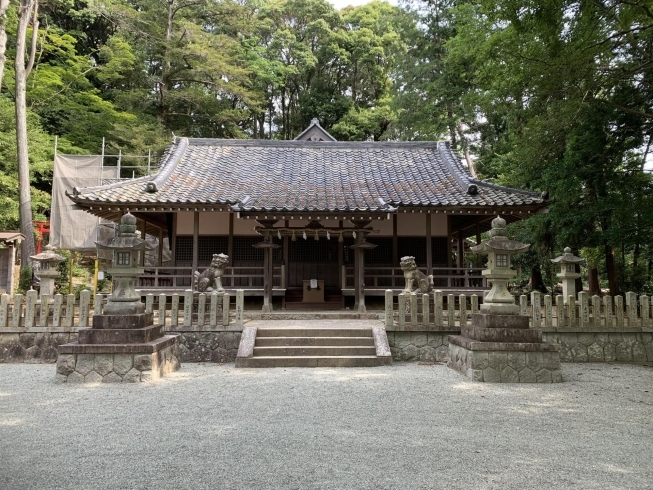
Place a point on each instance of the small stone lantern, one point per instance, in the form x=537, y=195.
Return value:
x=126, y=248
x=47, y=271
x=499, y=248
x=568, y=272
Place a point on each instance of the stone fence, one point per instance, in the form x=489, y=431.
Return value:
x=586, y=312
x=26, y=312
x=590, y=329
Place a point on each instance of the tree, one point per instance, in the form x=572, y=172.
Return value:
x=27, y=10
x=4, y=5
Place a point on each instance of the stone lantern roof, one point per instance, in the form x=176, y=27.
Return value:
x=567, y=258
x=126, y=236
x=499, y=242
x=48, y=255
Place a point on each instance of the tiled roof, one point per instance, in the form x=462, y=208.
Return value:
x=308, y=176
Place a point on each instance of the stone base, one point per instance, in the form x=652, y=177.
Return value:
x=505, y=362
x=499, y=309
x=122, y=321
x=486, y=320
x=120, y=335
x=112, y=363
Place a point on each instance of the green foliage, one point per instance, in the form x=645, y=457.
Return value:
x=24, y=280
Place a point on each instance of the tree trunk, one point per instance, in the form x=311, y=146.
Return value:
x=537, y=282
x=26, y=10
x=579, y=281
x=594, y=285
x=3, y=37
x=611, y=270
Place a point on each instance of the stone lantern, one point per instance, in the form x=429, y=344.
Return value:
x=47, y=271
x=126, y=247
x=499, y=248
x=568, y=272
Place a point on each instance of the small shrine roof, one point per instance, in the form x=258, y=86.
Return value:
x=261, y=175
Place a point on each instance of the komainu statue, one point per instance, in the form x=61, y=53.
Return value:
x=212, y=276
x=416, y=280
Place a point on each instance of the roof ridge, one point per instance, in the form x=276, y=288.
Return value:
x=173, y=160
x=449, y=160
x=311, y=144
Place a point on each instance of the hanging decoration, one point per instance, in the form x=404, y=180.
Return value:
x=279, y=234
x=340, y=237
x=304, y=235
x=317, y=236
x=328, y=235
x=294, y=238
x=353, y=233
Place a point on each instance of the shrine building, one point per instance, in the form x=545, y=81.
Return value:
x=311, y=222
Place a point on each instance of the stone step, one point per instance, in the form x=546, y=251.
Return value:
x=313, y=332
x=313, y=351
x=317, y=341
x=312, y=361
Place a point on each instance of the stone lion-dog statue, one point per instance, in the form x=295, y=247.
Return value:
x=416, y=280
x=212, y=275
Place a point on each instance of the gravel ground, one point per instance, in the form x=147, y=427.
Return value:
x=404, y=426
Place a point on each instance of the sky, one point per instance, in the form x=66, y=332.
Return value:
x=340, y=4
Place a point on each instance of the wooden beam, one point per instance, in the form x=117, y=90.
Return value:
x=196, y=239
x=230, y=240
x=395, y=242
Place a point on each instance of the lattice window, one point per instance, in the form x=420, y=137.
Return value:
x=243, y=250
x=382, y=254
x=184, y=249
x=311, y=250
x=415, y=246
x=209, y=245
x=439, y=251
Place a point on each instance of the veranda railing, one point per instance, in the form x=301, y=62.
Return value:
x=379, y=277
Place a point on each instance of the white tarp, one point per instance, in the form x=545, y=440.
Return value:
x=72, y=229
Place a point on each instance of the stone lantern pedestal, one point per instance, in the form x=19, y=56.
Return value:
x=499, y=346
x=123, y=345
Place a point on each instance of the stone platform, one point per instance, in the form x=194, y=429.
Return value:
x=502, y=349
x=118, y=363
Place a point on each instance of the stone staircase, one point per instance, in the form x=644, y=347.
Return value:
x=313, y=347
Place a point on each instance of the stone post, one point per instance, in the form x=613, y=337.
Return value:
x=389, y=298
x=213, y=315
x=607, y=303
x=413, y=309
x=201, y=306
x=451, y=310
x=537, y=309
x=462, y=307
x=645, y=310
x=523, y=305
x=225, y=308
x=437, y=308
x=548, y=311
x=474, y=300
x=4, y=310
x=402, y=309
x=30, y=308
x=631, y=309
x=584, y=316
x=97, y=307
x=45, y=310
x=619, y=310
x=188, y=307
x=56, y=310
x=240, y=303
x=560, y=311
x=174, y=311
x=162, y=309
x=426, y=311
x=149, y=303
x=17, y=311
x=84, y=307
x=596, y=310
x=571, y=303
x=70, y=311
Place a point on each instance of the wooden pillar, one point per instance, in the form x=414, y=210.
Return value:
x=395, y=242
x=429, y=246
x=357, y=288
x=361, y=280
x=230, y=240
x=286, y=255
x=449, y=240
x=461, y=250
x=10, y=268
x=173, y=240
x=267, y=280
x=159, y=261
x=196, y=239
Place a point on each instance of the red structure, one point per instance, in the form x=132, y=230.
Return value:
x=42, y=228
